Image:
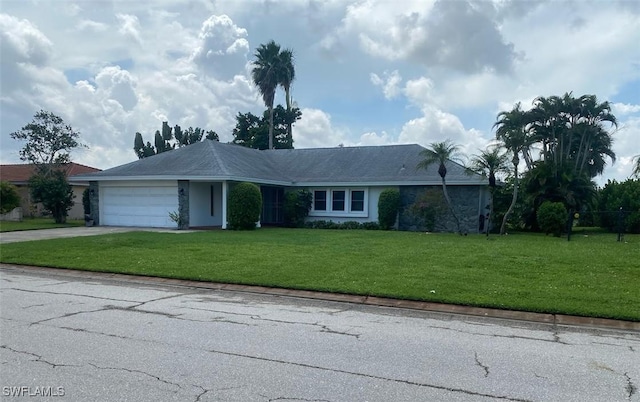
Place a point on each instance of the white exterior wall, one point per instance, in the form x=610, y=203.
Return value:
x=200, y=204
x=372, y=195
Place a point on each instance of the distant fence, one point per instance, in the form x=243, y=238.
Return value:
x=619, y=222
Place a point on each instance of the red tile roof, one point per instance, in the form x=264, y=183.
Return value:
x=22, y=173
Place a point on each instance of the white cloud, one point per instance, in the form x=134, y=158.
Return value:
x=222, y=49
x=129, y=27
x=315, y=130
x=389, y=82
x=89, y=25
x=621, y=109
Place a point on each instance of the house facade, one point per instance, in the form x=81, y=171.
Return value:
x=346, y=183
x=19, y=176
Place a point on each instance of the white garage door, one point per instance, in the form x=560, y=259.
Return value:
x=138, y=206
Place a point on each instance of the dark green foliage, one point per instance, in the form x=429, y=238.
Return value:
x=388, y=207
x=297, y=205
x=252, y=131
x=9, y=197
x=552, y=217
x=86, y=201
x=625, y=195
x=426, y=208
x=348, y=225
x=49, y=140
x=54, y=192
x=170, y=139
x=245, y=206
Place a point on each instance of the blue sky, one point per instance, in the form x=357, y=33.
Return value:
x=368, y=72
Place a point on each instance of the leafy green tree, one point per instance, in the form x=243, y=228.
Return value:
x=252, y=131
x=488, y=163
x=49, y=142
x=511, y=129
x=245, y=206
x=440, y=153
x=617, y=196
x=54, y=192
x=9, y=197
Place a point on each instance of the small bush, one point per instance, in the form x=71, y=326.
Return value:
x=388, y=207
x=245, y=206
x=552, y=217
x=426, y=209
x=297, y=205
x=9, y=197
x=348, y=225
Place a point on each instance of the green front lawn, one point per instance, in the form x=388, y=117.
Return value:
x=593, y=275
x=36, y=223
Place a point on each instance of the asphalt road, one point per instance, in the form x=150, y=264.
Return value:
x=108, y=340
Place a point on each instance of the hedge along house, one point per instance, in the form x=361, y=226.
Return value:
x=346, y=182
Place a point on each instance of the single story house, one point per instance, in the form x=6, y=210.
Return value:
x=19, y=175
x=346, y=183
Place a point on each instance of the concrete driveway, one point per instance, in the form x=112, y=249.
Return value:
x=29, y=235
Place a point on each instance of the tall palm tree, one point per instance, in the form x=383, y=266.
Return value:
x=266, y=74
x=487, y=163
x=287, y=75
x=440, y=153
x=512, y=131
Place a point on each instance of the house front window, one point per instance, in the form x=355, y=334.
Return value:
x=340, y=202
x=357, y=200
x=320, y=200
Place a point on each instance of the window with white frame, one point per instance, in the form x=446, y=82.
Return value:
x=340, y=202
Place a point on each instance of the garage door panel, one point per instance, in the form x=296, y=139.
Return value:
x=139, y=206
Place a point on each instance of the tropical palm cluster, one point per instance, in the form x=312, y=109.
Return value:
x=561, y=144
x=273, y=67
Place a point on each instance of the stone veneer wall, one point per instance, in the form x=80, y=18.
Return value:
x=183, y=203
x=465, y=201
x=94, y=202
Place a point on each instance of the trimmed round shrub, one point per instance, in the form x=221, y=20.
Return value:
x=552, y=217
x=388, y=207
x=9, y=197
x=245, y=206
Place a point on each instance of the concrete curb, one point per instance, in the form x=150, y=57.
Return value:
x=545, y=318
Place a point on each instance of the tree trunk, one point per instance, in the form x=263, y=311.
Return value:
x=289, y=125
x=513, y=201
x=448, y=200
x=270, y=126
x=488, y=222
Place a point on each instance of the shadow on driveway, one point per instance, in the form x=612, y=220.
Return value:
x=29, y=235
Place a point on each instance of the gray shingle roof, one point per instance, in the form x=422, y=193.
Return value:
x=214, y=160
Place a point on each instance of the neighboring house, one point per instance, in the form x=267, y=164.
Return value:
x=19, y=175
x=346, y=183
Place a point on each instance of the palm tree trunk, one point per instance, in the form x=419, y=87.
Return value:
x=513, y=201
x=288, y=99
x=448, y=200
x=270, y=126
x=488, y=223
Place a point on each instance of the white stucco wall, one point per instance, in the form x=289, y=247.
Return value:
x=200, y=204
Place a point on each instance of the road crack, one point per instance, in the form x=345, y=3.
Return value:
x=371, y=376
x=630, y=387
x=486, y=368
x=136, y=371
x=38, y=357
